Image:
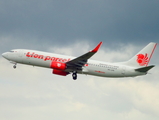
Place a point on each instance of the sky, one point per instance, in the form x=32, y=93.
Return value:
x=61, y=26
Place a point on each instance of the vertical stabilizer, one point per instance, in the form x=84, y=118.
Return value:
x=142, y=58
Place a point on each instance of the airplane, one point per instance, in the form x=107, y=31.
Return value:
x=63, y=65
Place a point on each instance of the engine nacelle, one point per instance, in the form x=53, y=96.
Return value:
x=58, y=65
x=59, y=72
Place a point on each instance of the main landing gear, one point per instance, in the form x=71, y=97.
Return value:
x=74, y=75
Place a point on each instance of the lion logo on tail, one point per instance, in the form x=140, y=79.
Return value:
x=142, y=59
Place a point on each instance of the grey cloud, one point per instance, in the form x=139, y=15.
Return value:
x=57, y=22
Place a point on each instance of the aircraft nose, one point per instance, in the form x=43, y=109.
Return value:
x=5, y=54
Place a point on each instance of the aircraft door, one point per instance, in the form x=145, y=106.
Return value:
x=123, y=70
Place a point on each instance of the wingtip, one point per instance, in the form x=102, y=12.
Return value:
x=97, y=47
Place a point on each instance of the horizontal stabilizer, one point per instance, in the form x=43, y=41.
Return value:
x=144, y=69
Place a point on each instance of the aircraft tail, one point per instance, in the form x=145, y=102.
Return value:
x=142, y=58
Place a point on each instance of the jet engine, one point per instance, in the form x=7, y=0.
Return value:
x=58, y=65
x=59, y=72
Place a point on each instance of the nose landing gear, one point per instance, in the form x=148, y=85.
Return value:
x=15, y=66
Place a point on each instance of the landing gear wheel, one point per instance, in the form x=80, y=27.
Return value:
x=14, y=66
x=74, y=75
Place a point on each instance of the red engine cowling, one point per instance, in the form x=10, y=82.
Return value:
x=58, y=65
x=59, y=72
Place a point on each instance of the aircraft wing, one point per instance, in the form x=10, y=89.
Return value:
x=77, y=63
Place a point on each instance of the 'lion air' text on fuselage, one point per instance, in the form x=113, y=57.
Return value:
x=45, y=58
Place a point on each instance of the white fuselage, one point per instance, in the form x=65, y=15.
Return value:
x=93, y=67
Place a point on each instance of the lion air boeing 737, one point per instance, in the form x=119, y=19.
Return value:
x=64, y=65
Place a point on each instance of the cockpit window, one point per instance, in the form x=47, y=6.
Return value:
x=11, y=51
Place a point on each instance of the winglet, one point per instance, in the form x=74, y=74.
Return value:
x=96, y=48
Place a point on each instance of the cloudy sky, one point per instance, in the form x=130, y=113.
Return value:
x=73, y=27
